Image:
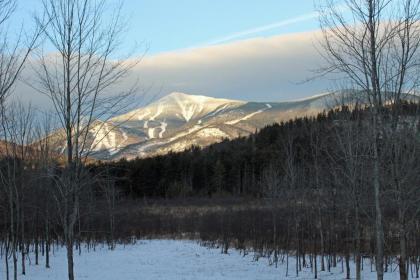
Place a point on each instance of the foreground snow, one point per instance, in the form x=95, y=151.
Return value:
x=170, y=259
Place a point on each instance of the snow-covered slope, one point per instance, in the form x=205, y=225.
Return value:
x=178, y=121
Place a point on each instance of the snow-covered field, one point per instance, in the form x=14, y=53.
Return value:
x=170, y=259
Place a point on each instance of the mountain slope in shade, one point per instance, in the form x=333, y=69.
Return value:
x=178, y=121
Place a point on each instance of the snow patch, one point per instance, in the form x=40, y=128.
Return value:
x=188, y=109
x=163, y=126
x=151, y=133
x=124, y=135
x=143, y=148
x=212, y=132
x=104, y=138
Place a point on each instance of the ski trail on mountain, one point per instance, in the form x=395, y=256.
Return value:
x=158, y=112
x=142, y=149
x=187, y=110
x=151, y=133
x=142, y=116
x=163, y=126
x=247, y=117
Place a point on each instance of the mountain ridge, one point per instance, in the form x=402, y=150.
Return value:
x=178, y=121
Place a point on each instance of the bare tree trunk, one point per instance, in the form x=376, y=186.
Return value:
x=37, y=250
x=402, y=262
x=70, y=264
x=23, y=243
x=15, y=259
x=315, y=262
x=47, y=240
x=6, y=259
x=357, y=237
x=47, y=254
x=379, y=234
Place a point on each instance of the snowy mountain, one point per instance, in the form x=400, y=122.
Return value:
x=178, y=121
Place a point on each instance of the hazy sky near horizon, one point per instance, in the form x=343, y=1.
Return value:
x=242, y=49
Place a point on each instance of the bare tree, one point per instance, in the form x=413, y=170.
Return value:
x=45, y=159
x=291, y=180
x=316, y=149
x=78, y=78
x=110, y=191
x=376, y=47
x=271, y=181
x=348, y=162
x=14, y=52
x=14, y=175
x=402, y=152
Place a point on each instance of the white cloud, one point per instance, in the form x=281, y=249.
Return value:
x=255, y=69
x=259, y=69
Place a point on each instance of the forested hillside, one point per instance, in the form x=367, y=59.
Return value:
x=238, y=167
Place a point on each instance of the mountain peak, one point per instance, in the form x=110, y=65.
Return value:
x=193, y=98
x=181, y=106
x=189, y=107
x=178, y=94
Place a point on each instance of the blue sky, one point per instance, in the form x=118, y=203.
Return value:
x=170, y=25
x=167, y=25
x=256, y=50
